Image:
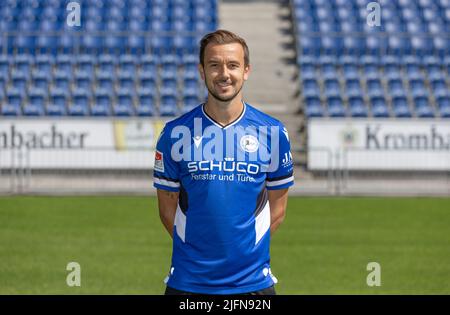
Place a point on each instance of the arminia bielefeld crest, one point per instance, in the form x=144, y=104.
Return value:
x=249, y=143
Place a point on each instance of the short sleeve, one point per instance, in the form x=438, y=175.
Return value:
x=166, y=170
x=281, y=171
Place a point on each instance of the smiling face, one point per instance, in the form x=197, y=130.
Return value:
x=224, y=70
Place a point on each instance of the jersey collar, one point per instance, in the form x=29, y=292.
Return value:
x=228, y=125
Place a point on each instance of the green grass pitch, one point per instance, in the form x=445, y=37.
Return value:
x=323, y=246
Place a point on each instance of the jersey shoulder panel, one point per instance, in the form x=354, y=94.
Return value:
x=262, y=118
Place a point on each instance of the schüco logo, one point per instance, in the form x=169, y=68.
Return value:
x=228, y=165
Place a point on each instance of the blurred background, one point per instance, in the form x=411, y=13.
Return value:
x=362, y=86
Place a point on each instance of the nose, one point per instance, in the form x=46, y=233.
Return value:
x=224, y=72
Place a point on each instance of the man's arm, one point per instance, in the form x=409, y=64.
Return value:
x=277, y=202
x=167, y=203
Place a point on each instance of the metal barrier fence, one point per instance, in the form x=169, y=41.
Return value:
x=69, y=171
x=398, y=172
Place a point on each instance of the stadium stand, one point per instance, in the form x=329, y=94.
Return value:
x=128, y=57
x=399, y=69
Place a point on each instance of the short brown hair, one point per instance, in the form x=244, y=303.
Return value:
x=221, y=37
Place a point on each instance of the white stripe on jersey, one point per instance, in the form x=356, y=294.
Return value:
x=279, y=182
x=164, y=182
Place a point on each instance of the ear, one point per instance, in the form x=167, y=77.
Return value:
x=201, y=70
x=247, y=70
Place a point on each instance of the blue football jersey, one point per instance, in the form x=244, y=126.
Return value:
x=221, y=235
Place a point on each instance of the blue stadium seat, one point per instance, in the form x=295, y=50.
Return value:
x=80, y=104
x=374, y=87
x=147, y=81
x=32, y=109
x=379, y=107
x=336, y=107
x=146, y=105
x=443, y=102
x=44, y=63
x=190, y=71
x=309, y=45
x=357, y=107
x=310, y=87
x=126, y=80
x=353, y=88
x=307, y=71
x=14, y=95
x=422, y=45
x=314, y=111
x=100, y=110
x=359, y=111
x=40, y=80
x=400, y=107
x=441, y=44
x=19, y=81
x=376, y=44
x=417, y=87
x=169, y=86
x=190, y=87
x=23, y=62
x=425, y=112
x=10, y=109
x=145, y=110
x=56, y=110
x=83, y=80
x=169, y=72
x=372, y=60
x=107, y=62
x=124, y=105
x=127, y=64
x=64, y=62
x=46, y=43
x=395, y=87
x=86, y=64
x=331, y=87
x=78, y=110
x=148, y=64
x=438, y=86
x=168, y=105
x=444, y=111
x=136, y=43
x=350, y=71
x=4, y=66
x=59, y=97
x=24, y=43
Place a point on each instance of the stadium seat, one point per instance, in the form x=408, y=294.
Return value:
x=310, y=87
x=125, y=104
x=11, y=109
x=332, y=87
x=379, y=107
x=168, y=105
x=56, y=110
x=374, y=87
x=336, y=107
x=313, y=107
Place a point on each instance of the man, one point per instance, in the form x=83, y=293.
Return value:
x=220, y=197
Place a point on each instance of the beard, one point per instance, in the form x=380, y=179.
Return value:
x=220, y=98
